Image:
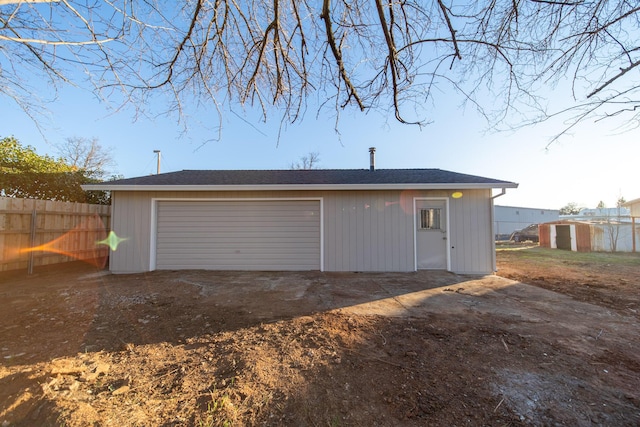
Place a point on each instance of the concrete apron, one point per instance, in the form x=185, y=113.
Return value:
x=420, y=295
x=488, y=294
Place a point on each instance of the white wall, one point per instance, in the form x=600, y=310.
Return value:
x=603, y=235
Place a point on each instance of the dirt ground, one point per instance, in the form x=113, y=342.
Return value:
x=80, y=347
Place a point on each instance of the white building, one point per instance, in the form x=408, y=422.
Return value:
x=326, y=220
x=621, y=214
x=508, y=219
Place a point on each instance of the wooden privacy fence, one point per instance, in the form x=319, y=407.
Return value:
x=42, y=232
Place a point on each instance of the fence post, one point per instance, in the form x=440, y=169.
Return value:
x=32, y=241
x=633, y=233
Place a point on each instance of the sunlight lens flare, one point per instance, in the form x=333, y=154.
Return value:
x=76, y=244
x=112, y=240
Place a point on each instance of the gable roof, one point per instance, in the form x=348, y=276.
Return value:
x=314, y=179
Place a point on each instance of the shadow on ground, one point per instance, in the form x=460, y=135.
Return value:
x=83, y=347
x=63, y=311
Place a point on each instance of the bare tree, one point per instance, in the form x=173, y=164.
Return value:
x=310, y=161
x=395, y=55
x=87, y=155
x=612, y=223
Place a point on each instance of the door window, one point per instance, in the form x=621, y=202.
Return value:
x=430, y=219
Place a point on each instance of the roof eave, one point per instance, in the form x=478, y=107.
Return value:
x=630, y=203
x=289, y=187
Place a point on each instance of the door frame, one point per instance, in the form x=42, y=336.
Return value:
x=553, y=236
x=415, y=229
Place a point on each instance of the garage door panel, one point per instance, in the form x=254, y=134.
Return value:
x=229, y=211
x=289, y=216
x=239, y=225
x=265, y=228
x=293, y=248
x=202, y=250
x=238, y=235
x=231, y=208
x=231, y=237
x=238, y=267
x=231, y=258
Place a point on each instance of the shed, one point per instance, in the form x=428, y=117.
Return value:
x=565, y=234
x=323, y=219
x=588, y=236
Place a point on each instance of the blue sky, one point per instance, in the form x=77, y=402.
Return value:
x=596, y=162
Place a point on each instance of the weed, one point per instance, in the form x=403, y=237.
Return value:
x=218, y=412
x=335, y=422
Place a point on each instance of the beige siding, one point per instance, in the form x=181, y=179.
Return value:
x=133, y=223
x=471, y=237
x=368, y=231
x=363, y=230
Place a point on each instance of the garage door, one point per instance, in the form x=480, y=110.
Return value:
x=238, y=235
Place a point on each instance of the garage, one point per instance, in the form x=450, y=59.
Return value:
x=320, y=219
x=238, y=235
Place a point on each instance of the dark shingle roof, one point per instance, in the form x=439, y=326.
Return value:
x=306, y=177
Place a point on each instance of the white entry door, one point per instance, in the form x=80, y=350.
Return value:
x=431, y=234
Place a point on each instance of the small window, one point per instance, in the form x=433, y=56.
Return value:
x=430, y=219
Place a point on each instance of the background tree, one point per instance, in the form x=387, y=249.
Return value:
x=612, y=224
x=570, y=208
x=87, y=155
x=26, y=174
x=310, y=161
x=390, y=55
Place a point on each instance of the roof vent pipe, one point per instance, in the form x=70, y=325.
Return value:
x=372, y=158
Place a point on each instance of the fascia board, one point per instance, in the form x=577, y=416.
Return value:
x=288, y=187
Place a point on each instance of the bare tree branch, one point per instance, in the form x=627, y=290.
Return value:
x=337, y=54
x=445, y=14
x=276, y=55
x=622, y=72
